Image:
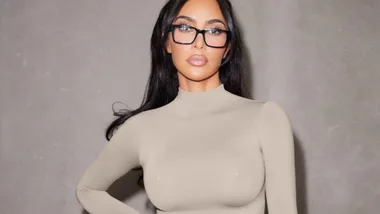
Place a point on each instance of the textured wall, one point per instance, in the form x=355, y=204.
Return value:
x=63, y=63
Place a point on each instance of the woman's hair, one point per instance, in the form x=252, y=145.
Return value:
x=162, y=86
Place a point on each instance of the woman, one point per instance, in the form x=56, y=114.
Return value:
x=203, y=146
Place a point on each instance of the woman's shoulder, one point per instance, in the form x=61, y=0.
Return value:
x=249, y=103
x=271, y=112
x=260, y=106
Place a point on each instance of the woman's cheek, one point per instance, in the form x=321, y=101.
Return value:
x=216, y=61
x=179, y=61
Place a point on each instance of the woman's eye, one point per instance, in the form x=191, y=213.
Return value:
x=214, y=31
x=184, y=27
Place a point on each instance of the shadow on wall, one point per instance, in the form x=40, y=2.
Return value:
x=247, y=64
x=300, y=177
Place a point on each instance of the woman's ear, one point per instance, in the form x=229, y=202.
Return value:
x=167, y=45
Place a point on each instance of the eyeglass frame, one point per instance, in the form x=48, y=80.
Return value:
x=198, y=31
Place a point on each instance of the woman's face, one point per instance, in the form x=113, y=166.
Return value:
x=197, y=62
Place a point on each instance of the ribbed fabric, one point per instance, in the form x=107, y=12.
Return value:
x=206, y=152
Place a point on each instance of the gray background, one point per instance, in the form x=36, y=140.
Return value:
x=63, y=63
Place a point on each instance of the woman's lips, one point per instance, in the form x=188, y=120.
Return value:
x=197, y=60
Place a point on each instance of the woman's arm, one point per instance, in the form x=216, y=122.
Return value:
x=118, y=157
x=277, y=144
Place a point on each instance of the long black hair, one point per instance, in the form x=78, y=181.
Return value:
x=162, y=86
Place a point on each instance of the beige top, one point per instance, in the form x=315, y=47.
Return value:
x=204, y=153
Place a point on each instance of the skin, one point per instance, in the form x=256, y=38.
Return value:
x=192, y=78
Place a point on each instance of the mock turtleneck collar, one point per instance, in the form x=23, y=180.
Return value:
x=198, y=103
x=201, y=94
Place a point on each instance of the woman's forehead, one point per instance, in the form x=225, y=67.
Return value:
x=201, y=10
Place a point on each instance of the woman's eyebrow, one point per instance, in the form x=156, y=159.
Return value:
x=186, y=18
x=211, y=21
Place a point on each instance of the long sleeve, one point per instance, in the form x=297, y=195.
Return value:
x=118, y=157
x=277, y=145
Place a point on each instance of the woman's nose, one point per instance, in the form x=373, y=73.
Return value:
x=199, y=41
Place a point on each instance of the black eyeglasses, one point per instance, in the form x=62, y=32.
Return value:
x=213, y=37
